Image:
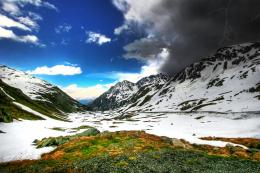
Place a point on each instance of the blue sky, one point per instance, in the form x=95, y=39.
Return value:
x=86, y=46
x=82, y=16
x=77, y=34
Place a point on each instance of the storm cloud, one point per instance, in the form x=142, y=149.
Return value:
x=188, y=29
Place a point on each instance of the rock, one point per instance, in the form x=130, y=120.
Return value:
x=178, y=143
x=167, y=139
x=56, y=141
x=229, y=145
x=125, y=116
x=89, y=132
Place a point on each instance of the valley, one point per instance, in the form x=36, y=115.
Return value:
x=143, y=141
x=209, y=110
x=17, y=141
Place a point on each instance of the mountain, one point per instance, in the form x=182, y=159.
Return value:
x=227, y=81
x=25, y=96
x=125, y=92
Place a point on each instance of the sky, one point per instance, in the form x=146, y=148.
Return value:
x=85, y=47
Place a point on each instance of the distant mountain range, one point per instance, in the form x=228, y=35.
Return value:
x=227, y=81
x=25, y=96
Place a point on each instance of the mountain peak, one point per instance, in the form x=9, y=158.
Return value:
x=124, y=82
x=153, y=79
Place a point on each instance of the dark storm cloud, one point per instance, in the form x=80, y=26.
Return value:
x=144, y=47
x=192, y=29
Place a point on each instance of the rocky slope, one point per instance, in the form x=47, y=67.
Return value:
x=227, y=81
x=21, y=94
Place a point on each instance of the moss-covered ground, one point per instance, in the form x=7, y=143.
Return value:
x=132, y=151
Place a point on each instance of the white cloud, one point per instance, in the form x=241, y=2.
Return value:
x=35, y=16
x=9, y=23
x=92, y=92
x=28, y=21
x=83, y=93
x=63, y=28
x=29, y=38
x=57, y=70
x=152, y=67
x=50, y=6
x=120, y=29
x=68, y=63
x=14, y=15
x=121, y=4
x=5, y=33
x=14, y=6
x=136, y=11
x=97, y=38
x=10, y=7
x=144, y=16
x=37, y=3
x=9, y=34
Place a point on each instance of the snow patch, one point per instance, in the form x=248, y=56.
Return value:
x=6, y=93
x=30, y=110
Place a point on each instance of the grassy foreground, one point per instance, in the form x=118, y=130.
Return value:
x=136, y=151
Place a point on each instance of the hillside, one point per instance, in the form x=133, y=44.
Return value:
x=22, y=95
x=227, y=81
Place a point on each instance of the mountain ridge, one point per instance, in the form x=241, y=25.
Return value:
x=231, y=76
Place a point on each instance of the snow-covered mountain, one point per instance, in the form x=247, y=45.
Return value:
x=125, y=92
x=227, y=81
x=22, y=91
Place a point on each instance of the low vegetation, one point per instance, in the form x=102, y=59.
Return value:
x=251, y=143
x=56, y=141
x=132, y=151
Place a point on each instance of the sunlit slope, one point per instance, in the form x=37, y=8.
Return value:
x=32, y=93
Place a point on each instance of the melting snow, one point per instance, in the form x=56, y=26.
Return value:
x=16, y=143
